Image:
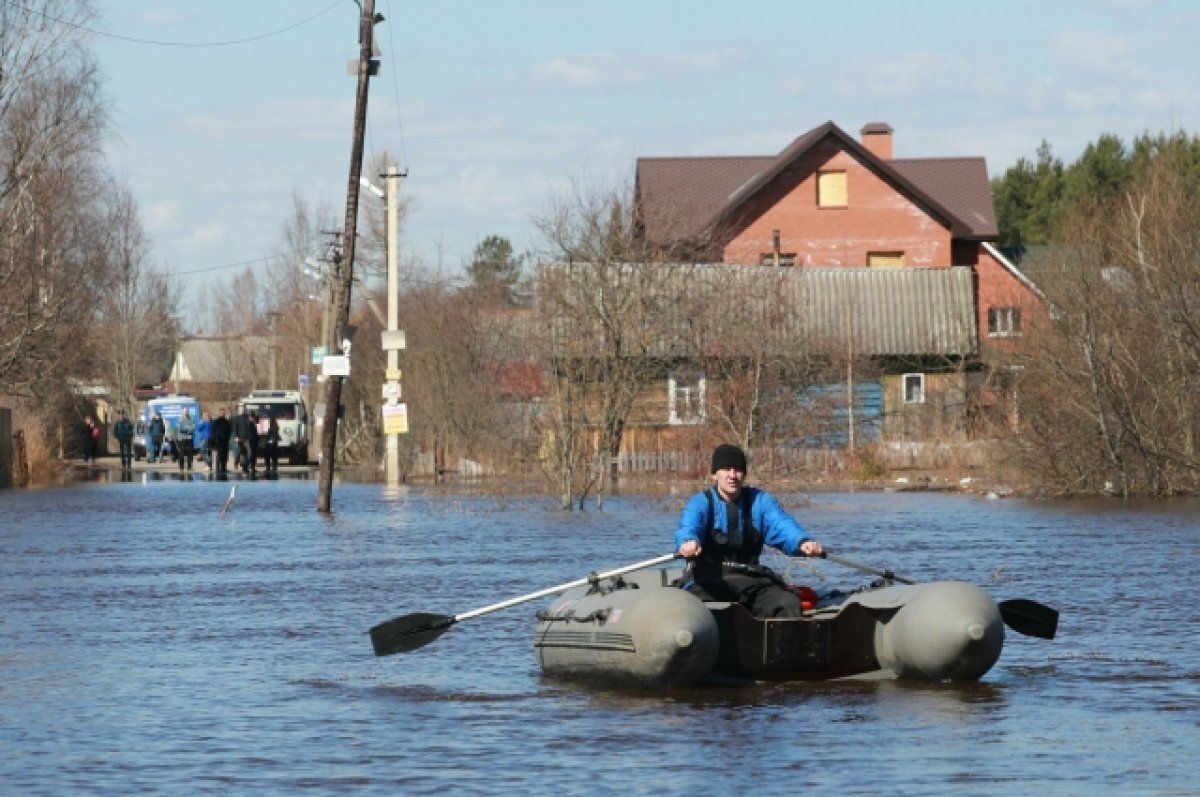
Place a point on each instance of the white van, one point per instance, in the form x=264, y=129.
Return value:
x=289, y=411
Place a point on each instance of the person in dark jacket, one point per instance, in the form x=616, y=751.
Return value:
x=123, y=431
x=219, y=435
x=271, y=446
x=156, y=432
x=246, y=433
x=731, y=523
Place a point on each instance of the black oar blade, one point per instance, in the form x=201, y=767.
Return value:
x=1029, y=618
x=402, y=634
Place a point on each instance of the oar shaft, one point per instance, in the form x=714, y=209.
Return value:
x=543, y=593
x=866, y=568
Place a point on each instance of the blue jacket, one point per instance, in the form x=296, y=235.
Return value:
x=779, y=529
x=203, y=430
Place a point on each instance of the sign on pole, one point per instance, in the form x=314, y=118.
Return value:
x=395, y=419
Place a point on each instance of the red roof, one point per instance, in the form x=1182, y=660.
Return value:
x=681, y=198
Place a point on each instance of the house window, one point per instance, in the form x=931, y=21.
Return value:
x=785, y=259
x=685, y=398
x=831, y=190
x=885, y=259
x=1004, y=322
x=914, y=388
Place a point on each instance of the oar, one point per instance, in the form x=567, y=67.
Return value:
x=1020, y=614
x=411, y=631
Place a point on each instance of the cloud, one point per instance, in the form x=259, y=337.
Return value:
x=315, y=119
x=574, y=73
x=1093, y=51
x=912, y=74
x=160, y=214
x=204, y=235
x=603, y=69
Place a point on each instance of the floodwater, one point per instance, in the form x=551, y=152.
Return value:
x=149, y=645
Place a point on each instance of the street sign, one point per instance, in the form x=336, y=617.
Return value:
x=335, y=365
x=395, y=419
x=392, y=339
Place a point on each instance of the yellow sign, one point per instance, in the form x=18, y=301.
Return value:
x=392, y=374
x=395, y=419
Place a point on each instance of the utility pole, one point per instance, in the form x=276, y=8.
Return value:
x=273, y=365
x=393, y=338
x=345, y=275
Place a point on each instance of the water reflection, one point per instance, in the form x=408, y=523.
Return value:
x=152, y=643
x=147, y=475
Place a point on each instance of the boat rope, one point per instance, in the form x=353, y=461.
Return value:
x=600, y=615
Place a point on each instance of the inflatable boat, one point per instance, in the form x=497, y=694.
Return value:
x=633, y=627
x=639, y=630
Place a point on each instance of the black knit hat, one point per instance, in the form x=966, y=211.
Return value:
x=728, y=456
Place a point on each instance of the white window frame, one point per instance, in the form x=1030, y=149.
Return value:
x=917, y=394
x=1004, y=322
x=685, y=399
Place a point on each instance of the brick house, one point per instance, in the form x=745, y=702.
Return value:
x=830, y=202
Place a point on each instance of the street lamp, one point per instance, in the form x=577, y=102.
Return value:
x=395, y=414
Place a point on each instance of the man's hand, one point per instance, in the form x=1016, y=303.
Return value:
x=690, y=549
x=811, y=548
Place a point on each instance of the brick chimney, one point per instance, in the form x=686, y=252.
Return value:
x=877, y=138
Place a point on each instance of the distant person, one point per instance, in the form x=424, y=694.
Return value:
x=246, y=434
x=252, y=444
x=156, y=433
x=271, y=446
x=731, y=523
x=123, y=431
x=219, y=436
x=185, y=433
x=89, y=438
x=203, y=439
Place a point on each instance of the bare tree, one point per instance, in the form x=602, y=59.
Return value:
x=607, y=307
x=52, y=118
x=1109, y=381
x=137, y=321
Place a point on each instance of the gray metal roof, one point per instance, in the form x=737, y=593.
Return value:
x=675, y=310
x=222, y=360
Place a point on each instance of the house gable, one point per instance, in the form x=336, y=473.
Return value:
x=737, y=209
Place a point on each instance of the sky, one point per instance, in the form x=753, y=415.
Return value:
x=224, y=110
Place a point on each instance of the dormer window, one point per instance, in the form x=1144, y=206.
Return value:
x=831, y=190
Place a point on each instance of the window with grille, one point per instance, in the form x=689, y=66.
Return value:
x=1004, y=322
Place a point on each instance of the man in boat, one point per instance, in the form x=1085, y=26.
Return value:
x=730, y=523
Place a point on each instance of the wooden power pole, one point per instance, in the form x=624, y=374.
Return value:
x=343, y=277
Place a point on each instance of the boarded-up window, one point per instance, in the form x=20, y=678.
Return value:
x=885, y=259
x=781, y=259
x=831, y=190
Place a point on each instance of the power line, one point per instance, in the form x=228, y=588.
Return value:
x=160, y=43
x=255, y=261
